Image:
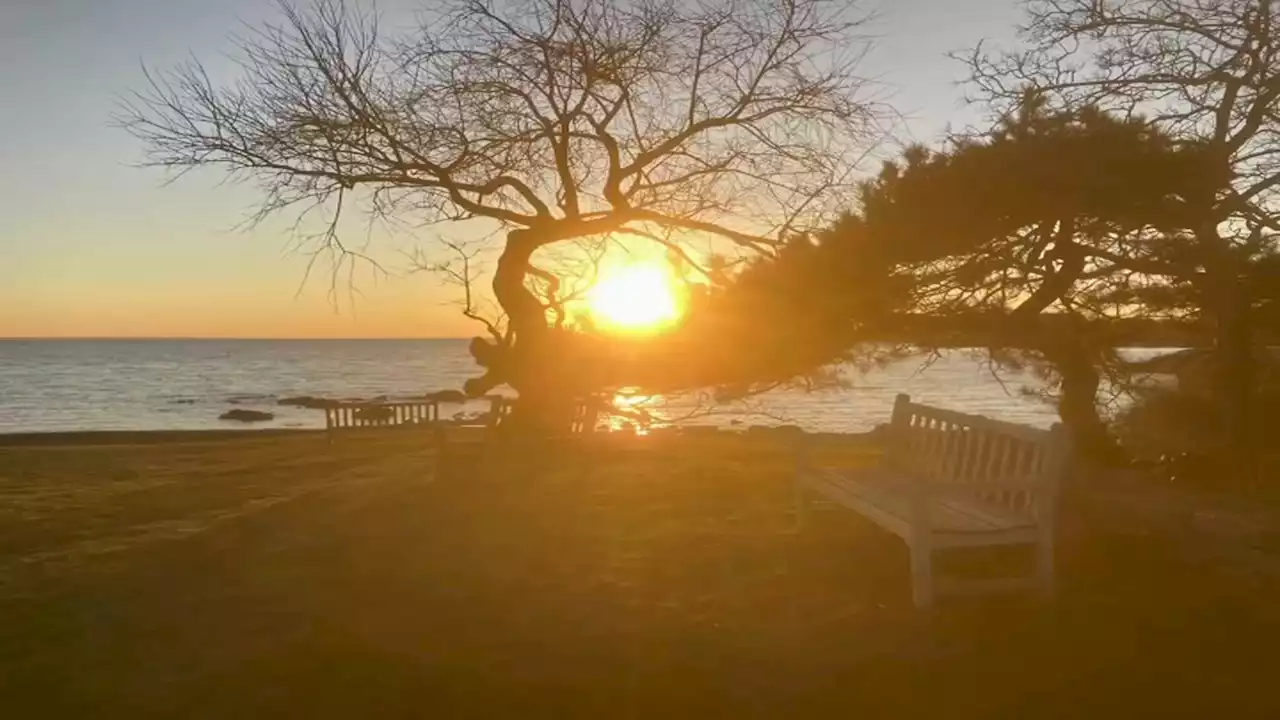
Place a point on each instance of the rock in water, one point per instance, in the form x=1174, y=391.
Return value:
x=242, y=415
x=306, y=401
x=447, y=396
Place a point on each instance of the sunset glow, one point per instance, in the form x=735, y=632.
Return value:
x=636, y=298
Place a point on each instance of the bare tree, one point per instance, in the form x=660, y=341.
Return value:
x=463, y=268
x=558, y=120
x=1207, y=73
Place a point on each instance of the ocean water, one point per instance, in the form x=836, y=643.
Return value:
x=65, y=385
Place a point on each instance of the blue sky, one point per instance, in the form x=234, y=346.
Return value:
x=92, y=246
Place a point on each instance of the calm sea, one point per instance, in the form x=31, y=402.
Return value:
x=62, y=385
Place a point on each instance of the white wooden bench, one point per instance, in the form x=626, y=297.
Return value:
x=343, y=416
x=954, y=480
x=458, y=442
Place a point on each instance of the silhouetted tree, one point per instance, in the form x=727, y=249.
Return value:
x=1204, y=73
x=557, y=120
x=1032, y=240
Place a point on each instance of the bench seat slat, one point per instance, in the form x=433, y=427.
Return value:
x=858, y=497
x=878, y=492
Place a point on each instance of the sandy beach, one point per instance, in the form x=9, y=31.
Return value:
x=274, y=575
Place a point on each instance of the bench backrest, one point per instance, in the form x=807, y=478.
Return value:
x=586, y=413
x=1015, y=466
x=343, y=416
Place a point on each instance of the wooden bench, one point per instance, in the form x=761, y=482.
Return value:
x=954, y=480
x=475, y=441
x=349, y=416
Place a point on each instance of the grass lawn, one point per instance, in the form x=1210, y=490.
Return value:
x=281, y=577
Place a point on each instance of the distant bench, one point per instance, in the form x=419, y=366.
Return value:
x=348, y=416
x=460, y=442
x=463, y=443
x=955, y=480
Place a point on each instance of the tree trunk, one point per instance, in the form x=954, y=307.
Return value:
x=1078, y=402
x=529, y=361
x=1235, y=378
x=1229, y=302
x=1068, y=352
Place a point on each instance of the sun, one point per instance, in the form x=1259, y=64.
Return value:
x=636, y=298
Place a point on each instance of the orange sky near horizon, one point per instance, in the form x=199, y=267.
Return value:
x=212, y=282
x=398, y=316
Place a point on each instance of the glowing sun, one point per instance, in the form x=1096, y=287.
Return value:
x=636, y=298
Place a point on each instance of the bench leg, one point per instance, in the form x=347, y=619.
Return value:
x=485, y=462
x=1044, y=567
x=922, y=574
x=800, y=505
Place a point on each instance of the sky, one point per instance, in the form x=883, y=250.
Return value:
x=93, y=246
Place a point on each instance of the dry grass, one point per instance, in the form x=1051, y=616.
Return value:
x=279, y=577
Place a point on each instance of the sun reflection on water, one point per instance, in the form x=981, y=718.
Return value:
x=637, y=412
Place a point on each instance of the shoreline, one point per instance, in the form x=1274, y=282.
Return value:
x=57, y=438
